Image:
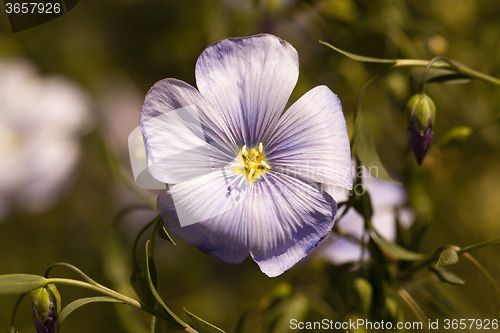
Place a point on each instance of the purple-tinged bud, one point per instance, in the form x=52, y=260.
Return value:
x=46, y=304
x=420, y=143
x=421, y=113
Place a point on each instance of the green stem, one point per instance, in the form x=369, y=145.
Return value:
x=14, y=312
x=106, y=291
x=364, y=88
x=154, y=232
x=426, y=71
x=73, y=268
x=426, y=262
x=495, y=241
x=452, y=65
x=128, y=210
x=487, y=274
x=413, y=305
x=136, y=241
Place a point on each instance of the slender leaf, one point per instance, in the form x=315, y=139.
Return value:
x=365, y=292
x=448, y=257
x=79, y=303
x=359, y=57
x=456, y=136
x=450, y=79
x=201, y=325
x=241, y=323
x=139, y=283
x=446, y=276
x=162, y=232
x=14, y=312
x=14, y=284
x=394, y=249
x=366, y=151
x=174, y=320
x=296, y=307
x=362, y=203
x=153, y=275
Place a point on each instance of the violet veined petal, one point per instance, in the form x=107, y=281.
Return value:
x=310, y=140
x=216, y=217
x=289, y=217
x=181, y=141
x=249, y=81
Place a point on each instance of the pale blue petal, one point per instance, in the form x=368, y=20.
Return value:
x=181, y=137
x=278, y=218
x=249, y=81
x=289, y=217
x=310, y=140
x=217, y=217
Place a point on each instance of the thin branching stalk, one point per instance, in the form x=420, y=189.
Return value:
x=487, y=274
x=412, y=304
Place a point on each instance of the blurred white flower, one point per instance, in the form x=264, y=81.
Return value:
x=387, y=201
x=41, y=119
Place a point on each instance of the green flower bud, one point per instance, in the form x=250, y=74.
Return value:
x=422, y=111
x=46, y=304
x=456, y=136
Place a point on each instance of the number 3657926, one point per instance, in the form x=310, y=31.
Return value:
x=33, y=8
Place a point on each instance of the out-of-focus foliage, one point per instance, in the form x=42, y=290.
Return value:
x=117, y=50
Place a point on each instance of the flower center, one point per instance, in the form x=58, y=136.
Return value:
x=251, y=163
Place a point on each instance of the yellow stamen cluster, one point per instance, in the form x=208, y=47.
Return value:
x=251, y=164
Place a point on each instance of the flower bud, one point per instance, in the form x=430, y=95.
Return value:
x=456, y=136
x=421, y=112
x=46, y=304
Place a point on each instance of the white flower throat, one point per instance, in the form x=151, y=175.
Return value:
x=251, y=163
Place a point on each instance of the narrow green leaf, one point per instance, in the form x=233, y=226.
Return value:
x=366, y=151
x=450, y=79
x=201, y=325
x=394, y=249
x=79, y=303
x=242, y=320
x=446, y=276
x=365, y=292
x=153, y=275
x=139, y=283
x=359, y=57
x=14, y=284
x=448, y=257
x=174, y=320
x=14, y=312
x=362, y=203
x=162, y=232
x=296, y=307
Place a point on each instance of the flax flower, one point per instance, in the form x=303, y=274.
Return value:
x=243, y=176
x=387, y=203
x=41, y=120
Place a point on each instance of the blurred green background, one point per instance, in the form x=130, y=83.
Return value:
x=116, y=50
